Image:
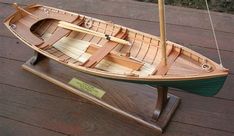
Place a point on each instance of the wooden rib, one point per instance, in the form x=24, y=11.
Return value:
x=44, y=27
x=150, y=56
x=101, y=40
x=71, y=60
x=155, y=42
x=57, y=53
x=64, y=58
x=119, y=46
x=38, y=27
x=47, y=28
x=157, y=55
x=113, y=31
x=135, y=48
x=54, y=50
x=80, y=36
x=95, y=39
x=59, y=33
x=93, y=35
x=143, y=51
x=103, y=26
x=51, y=50
x=118, y=49
x=162, y=69
x=87, y=37
x=109, y=29
x=126, y=49
x=133, y=42
x=53, y=27
x=148, y=39
x=147, y=49
x=140, y=45
x=73, y=34
x=103, y=30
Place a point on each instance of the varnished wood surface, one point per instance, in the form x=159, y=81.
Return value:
x=32, y=106
x=133, y=102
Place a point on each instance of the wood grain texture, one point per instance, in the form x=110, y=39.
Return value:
x=181, y=129
x=204, y=119
x=194, y=116
x=12, y=127
x=112, y=70
x=186, y=35
x=117, y=8
x=65, y=116
x=207, y=112
x=22, y=55
x=122, y=98
x=191, y=118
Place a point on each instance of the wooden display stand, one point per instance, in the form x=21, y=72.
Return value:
x=143, y=104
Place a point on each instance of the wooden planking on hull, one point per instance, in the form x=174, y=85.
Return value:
x=145, y=49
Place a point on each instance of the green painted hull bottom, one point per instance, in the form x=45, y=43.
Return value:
x=204, y=87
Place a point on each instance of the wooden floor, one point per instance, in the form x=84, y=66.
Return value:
x=32, y=106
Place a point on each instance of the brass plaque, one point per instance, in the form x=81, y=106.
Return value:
x=86, y=88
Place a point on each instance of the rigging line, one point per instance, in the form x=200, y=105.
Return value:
x=214, y=34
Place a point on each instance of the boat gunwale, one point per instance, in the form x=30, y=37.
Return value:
x=114, y=76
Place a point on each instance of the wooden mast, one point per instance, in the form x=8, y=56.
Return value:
x=162, y=30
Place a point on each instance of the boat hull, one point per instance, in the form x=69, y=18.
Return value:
x=182, y=76
x=204, y=87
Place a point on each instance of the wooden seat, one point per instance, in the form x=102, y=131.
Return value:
x=121, y=60
x=58, y=34
x=104, y=50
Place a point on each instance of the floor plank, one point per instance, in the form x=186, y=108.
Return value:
x=207, y=112
x=190, y=103
x=11, y=127
x=57, y=110
x=180, y=129
x=61, y=115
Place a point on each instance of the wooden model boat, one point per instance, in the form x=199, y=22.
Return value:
x=112, y=51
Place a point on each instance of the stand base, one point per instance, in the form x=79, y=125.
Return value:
x=136, y=102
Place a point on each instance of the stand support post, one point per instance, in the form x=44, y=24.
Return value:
x=161, y=101
x=36, y=58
